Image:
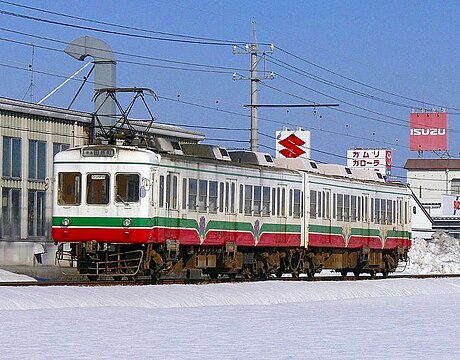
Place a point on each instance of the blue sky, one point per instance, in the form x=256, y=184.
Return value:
x=406, y=48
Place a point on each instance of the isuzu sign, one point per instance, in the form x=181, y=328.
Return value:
x=428, y=131
x=293, y=144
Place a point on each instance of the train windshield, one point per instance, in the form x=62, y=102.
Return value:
x=127, y=188
x=97, y=189
x=69, y=188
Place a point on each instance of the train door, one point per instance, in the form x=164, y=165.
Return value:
x=281, y=209
x=365, y=214
x=172, y=195
x=304, y=217
x=326, y=209
x=230, y=202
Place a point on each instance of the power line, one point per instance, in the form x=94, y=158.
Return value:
x=147, y=37
x=119, y=25
x=362, y=83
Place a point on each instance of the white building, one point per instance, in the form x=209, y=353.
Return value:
x=436, y=186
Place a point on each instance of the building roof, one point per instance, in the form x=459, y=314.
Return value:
x=432, y=164
x=43, y=110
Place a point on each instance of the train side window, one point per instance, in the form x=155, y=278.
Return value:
x=320, y=205
x=184, y=193
x=327, y=204
x=69, y=188
x=274, y=201
x=366, y=208
x=340, y=207
x=192, y=194
x=127, y=188
x=359, y=218
x=291, y=201
x=297, y=204
x=377, y=211
x=283, y=201
x=372, y=210
x=383, y=211
x=97, y=189
x=213, y=188
x=346, y=208
x=203, y=196
x=221, y=196
x=233, y=198
x=161, y=189
x=266, y=201
x=248, y=200
x=257, y=200
x=241, y=198
x=353, y=208
x=389, y=212
x=334, y=206
x=312, y=204
x=227, y=197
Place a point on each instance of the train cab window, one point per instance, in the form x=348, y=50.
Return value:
x=127, y=188
x=97, y=189
x=266, y=201
x=69, y=188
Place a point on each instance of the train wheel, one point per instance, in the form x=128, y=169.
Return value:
x=344, y=273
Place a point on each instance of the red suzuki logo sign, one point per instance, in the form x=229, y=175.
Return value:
x=428, y=131
x=293, y=144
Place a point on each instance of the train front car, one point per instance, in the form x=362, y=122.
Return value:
x=101, y=208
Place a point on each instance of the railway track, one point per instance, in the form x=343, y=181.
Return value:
x=143, y=282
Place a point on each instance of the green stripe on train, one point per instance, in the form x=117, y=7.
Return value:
x=178, y=223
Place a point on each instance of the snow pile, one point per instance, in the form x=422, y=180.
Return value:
x=439, y=255
x=6, y=276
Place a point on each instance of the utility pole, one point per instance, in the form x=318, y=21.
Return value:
x=254, y=51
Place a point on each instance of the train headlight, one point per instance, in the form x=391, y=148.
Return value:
x=66, y=222
x=126, y=222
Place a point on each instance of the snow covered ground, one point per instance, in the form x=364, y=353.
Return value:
x=378, y=319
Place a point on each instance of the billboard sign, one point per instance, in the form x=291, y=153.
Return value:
x=293, y=144
x=428, y=131
x=370, y=159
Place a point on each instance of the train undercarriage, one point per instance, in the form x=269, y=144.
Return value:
x=172, y=260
